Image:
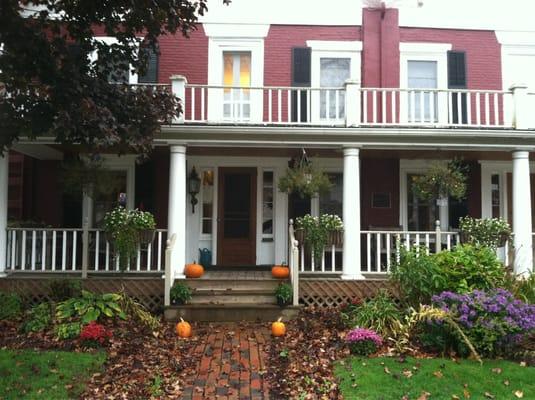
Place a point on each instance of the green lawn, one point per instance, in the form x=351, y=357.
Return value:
x=388, y=378
x=54, y=375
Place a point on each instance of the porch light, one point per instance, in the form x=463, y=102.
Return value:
x=194, y=186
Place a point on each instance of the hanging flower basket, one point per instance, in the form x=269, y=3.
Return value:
x=335, y=238
x=146, y=236
x=490, y=232
x=299, y=235
x=441, y=181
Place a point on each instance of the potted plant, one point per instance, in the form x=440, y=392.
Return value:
x=441, y=181
x=303, y=178
x=490, y=232
x=180, y=293
x=145, y=225
x=315, y=236
x=335, y=229
x=283, y=294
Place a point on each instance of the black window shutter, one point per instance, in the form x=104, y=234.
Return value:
x=300, y=77
x=151, y=74
x=457, y=80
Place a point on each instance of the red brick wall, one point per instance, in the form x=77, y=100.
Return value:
x=483, y=52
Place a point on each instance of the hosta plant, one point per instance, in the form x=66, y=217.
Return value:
x=68, y=330
x=90, y=307
x=362, y=341
x=37, y=319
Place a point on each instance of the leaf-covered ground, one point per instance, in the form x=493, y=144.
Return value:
x=386, y=378
x=29, y=374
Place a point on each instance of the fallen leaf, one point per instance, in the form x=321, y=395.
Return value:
x=407, y=373
x=497, y=370
x=387, y=371
x=518, y=394
x=424, y=396
x=455, y=397
x=466, y=394
x=489, y=395
x=523, y=363
x=438, y=374
x=506, y=383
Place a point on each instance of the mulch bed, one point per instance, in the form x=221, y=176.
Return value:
x=301, y=362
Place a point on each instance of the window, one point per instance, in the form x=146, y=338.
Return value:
x=331, y=202
x=333, y=73
x=421, y=215
x=495, y=196
x=267, y=204
x=423, y=106
x=207, y=201
x=151, y=73
x=237, y=73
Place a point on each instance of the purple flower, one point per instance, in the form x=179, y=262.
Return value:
x=363, y=334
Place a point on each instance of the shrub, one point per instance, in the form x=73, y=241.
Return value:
x=95, y=334
x=522, y=288
x=68, y=330
x=377, y=313
x=63, y=289
x=493, y=320
x=464, y=268
x=180, y=293
x=90, y=307
x=283, y=293
x=37, y=319
x=363, y=341
x=489, y=232
x=10, y=306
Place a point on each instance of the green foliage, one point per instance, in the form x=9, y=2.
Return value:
x=363, y=348
x=283, y=293
x=90, y=307
x=37, y=319
x=68, y=330
x=63, y=289
x=464, y=268
x=142, y=220
x=378, y=313
x=522, y=288
x=54, y=90
x=138, y=312
x=304, y=179
x=10, y=306
x=490, y=232
x=441, y=180
x=54, y=375
x=441, y=338
x=155, y=387
x=180, y=293
x=316, y=231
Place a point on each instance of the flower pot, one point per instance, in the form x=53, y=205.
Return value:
x=281, y=302
x=178, y=302
x=146, y=236
x=335, y=238
x=300, y=236
x=503, y=239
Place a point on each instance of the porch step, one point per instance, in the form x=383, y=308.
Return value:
x=224, y=284
x=230, y=312
x=233, y=296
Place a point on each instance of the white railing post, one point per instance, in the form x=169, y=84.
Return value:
x=351, y=215
x=169, y=277
x=521, y=111
x=438, y=237
x=4, y=177
x=293, y=263
x=85, y=248
x=178, y=87
x=176, y=223
x=523, y=242
x=352, y=87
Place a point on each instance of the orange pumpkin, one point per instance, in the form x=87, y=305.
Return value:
x=278, y=328
x=193, y=270
x=280, y=271
x=183, y=329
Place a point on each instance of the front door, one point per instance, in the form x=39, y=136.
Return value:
x=236, y=224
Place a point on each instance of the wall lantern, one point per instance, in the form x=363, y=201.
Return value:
x=194, y=186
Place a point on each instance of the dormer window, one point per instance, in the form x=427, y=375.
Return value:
x=237, y=75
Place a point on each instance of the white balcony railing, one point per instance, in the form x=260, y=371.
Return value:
x=64, y=250
x=352, y=105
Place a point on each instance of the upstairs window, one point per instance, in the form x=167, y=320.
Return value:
x=423, y=106
x=151, y=73
x=333, y=73
x=237, y=73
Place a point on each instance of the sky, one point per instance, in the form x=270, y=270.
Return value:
x=518, y=15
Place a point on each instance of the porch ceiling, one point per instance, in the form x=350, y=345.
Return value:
x=372, y=138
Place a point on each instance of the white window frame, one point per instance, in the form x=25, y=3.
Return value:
x=109, y=40
x=202, y=235
x=437, y=52
x=232, y=38
x=331, y=49
x=267, y=236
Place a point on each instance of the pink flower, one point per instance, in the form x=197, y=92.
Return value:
x=362, y=334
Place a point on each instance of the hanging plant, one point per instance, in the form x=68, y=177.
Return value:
x=442, y=181
x=89, y=176
x=320, y=232
x=304, y=179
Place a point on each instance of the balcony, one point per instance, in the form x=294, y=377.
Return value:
x=354, y=106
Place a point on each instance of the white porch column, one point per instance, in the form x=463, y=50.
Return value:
x=176, y=223
x=351, y=210
x=178, y=87
x=4, y=166
x=523, y=246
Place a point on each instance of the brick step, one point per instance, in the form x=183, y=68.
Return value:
x=230, y=312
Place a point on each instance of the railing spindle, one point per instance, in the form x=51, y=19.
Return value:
x=43, y=251
x=34, y=239
x=64, y=251
x=74, y=253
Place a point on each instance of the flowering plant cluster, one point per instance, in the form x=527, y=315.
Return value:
x=316, y=231
x=493, y=320
x=331, y=222
x=441, y=180
x=490, y=232
x=363, y=341
x=95, y=334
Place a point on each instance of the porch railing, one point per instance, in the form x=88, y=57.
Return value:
x=350, y=105
x=63, y=250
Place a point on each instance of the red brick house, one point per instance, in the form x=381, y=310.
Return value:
x=373, y=103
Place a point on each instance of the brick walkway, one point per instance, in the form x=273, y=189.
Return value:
x=231, y=363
